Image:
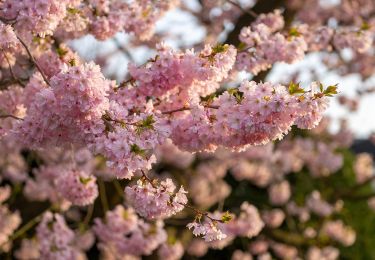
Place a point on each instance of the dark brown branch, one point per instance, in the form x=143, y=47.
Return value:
x=11, y=116
x=34, y=61
x=245, y=20
x=184, y=109
x=124, y=50
x=249, y=12
x=11, y=70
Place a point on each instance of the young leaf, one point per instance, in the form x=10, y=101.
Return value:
x=295, y=88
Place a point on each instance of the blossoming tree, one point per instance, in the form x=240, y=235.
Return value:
x=161, y=163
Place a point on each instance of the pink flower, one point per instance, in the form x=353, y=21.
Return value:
x=273, y=218
x=317, y=205
x=125, y=234
x=325, y=253
x=279, y=193
x=78, y=187
x=129, y=147
x=247, y=224
x=171, y=251
x=240, y=255
x=363, y=167
x=197, y=247
x=358, y=40
x=156, y=201
x=209, y=231
x=69, y=111
x=55, y=238
x=337, y=231
x=9, y=222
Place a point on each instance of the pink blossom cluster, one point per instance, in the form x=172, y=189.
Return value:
x=221, y=233
x=207, y=187
x=279, y=193
x=254, y=114
x=53, y=63
x=130, y=142
x=337, y=231
x=326, y=253
x=208, y=230
x=138, y=17
x=11, y=103
x=78, y=187
x=156, y=201
x=37, y=17
x=123, y=233
x=55, y=238
x=170, y=71
x=61, y=181
x=247, y=224
x=317, y=205
x=321, y=38
x=171, y=251
x=263, y=45
x=9, y=45
x=180, y=116
x=320, y=157
x=69, y=111
x=240, y=255
x=9, y=221
x=273, y=218
x=44, y=186
x=363, y=167
x=257, y=173
x=8, y=38
x=28, y=250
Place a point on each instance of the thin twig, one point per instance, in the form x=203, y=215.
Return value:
x=34, y=61
x=118, y=188
x=197, y=211
x=249, y=12
x=148, y=179
x=88, y=216
x=103, y=196
x=11, y=116
x=125, y=51
x=11, y=70
x=184, y=109
x=24, y=228
x=201, y=213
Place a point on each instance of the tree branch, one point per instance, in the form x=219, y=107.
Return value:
x=34, y=61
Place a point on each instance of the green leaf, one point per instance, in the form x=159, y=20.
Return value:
x=137, y=150
x=61, y=52
x=330, y=91
x=295, y=88
x=321, y=86
x=125, y=215
x=73, y=10
x=241, y=46
x=237, y=94
x=72, y=62
x=84, y=181
x=219, y=48
x=226, y=217
x=294, y=32
x=365, y=26
x=145, y=124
